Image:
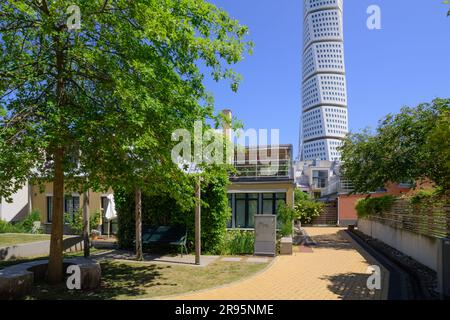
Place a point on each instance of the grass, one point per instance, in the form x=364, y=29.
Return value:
x=7, y=239
x=123, y=280
x=4, y=264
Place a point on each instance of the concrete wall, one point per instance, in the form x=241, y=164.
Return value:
x=421, y=248
x=41, y=248
x=19, y=207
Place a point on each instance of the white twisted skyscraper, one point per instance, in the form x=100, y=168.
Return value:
x=324, y=93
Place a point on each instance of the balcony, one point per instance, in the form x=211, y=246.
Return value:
x=280, y=170
x=337, y=187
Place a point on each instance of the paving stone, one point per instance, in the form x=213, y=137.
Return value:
x=257, y=260
x=335, y=270
x=231, y=259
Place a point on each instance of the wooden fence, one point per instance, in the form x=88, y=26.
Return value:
x=431, y=220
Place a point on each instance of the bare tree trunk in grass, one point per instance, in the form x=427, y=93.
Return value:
x=138, y=213
x=55, y=264
x=86, y=226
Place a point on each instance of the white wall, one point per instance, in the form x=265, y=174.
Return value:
x=19, y=205
x=421, y=248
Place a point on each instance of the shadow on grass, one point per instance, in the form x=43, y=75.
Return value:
x=119, y=280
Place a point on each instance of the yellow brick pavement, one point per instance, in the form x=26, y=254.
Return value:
x=335, y=269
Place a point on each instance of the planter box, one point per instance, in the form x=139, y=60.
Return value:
x=286, y=246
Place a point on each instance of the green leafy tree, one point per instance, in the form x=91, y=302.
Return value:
x=447, y=2
x=101, y=101
x=410, y=146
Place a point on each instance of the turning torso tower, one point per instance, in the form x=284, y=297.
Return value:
x=324, y=94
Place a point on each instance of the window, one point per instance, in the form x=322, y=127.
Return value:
x=230, y=204
x=271, y=201
x=247, y=205
x=49, y=208
x=246, y=208
x=320, y=178
x=71, y=205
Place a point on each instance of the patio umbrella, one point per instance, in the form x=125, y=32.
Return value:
x=110, y=210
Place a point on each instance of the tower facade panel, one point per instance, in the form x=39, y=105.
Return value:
x=324, y=90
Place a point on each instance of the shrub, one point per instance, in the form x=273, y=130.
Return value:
x=306, y=209
x=369, y=206
x=238, y=242
x=76, y=221
x=423, y=196
x=6, y=227
x=28, y=224
x=286, y=216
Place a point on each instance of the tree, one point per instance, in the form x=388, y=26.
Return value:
x=447, y=2
x=76, y=101
x=409, y=146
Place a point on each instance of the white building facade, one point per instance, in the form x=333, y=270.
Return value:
x=324, y=92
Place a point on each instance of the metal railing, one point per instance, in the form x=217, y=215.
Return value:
x=337, y=187
x=280, y=168
x=433, y=221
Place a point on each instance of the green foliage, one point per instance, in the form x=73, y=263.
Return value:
x=76, y=221
x=369, y=206
x=447, y=2
x=409, y=146
x=112, y=92
x=306, y=209
x=24, y=226
x=239, y=242
x=27, y=225
x=6, y=227
x=170, y=209
x=425, y=199
x=286, y=216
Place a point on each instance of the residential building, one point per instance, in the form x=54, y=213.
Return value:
x=42, y=200
x=324, y=95
x=19, y=207
x=257, y=190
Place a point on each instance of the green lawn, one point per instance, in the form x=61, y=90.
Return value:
x=122, y=280
x=7, y=239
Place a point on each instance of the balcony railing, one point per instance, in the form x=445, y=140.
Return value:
x=337, y=187
x=276, y=169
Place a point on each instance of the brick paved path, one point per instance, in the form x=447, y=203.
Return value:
x=334, y=269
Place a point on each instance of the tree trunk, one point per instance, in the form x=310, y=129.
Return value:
x=55, y=264
x=86, y=226
x=198, y=223
x=138, y=213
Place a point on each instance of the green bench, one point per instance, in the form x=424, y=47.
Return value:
x=165, y=235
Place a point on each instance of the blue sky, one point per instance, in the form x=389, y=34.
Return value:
x=405, y=63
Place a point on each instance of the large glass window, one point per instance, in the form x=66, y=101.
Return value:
x=71, y=205
x=240, y=211
x=247, y=205
x=268, y=203
x=49, y=209
x=230, y=205
x=320, y=178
